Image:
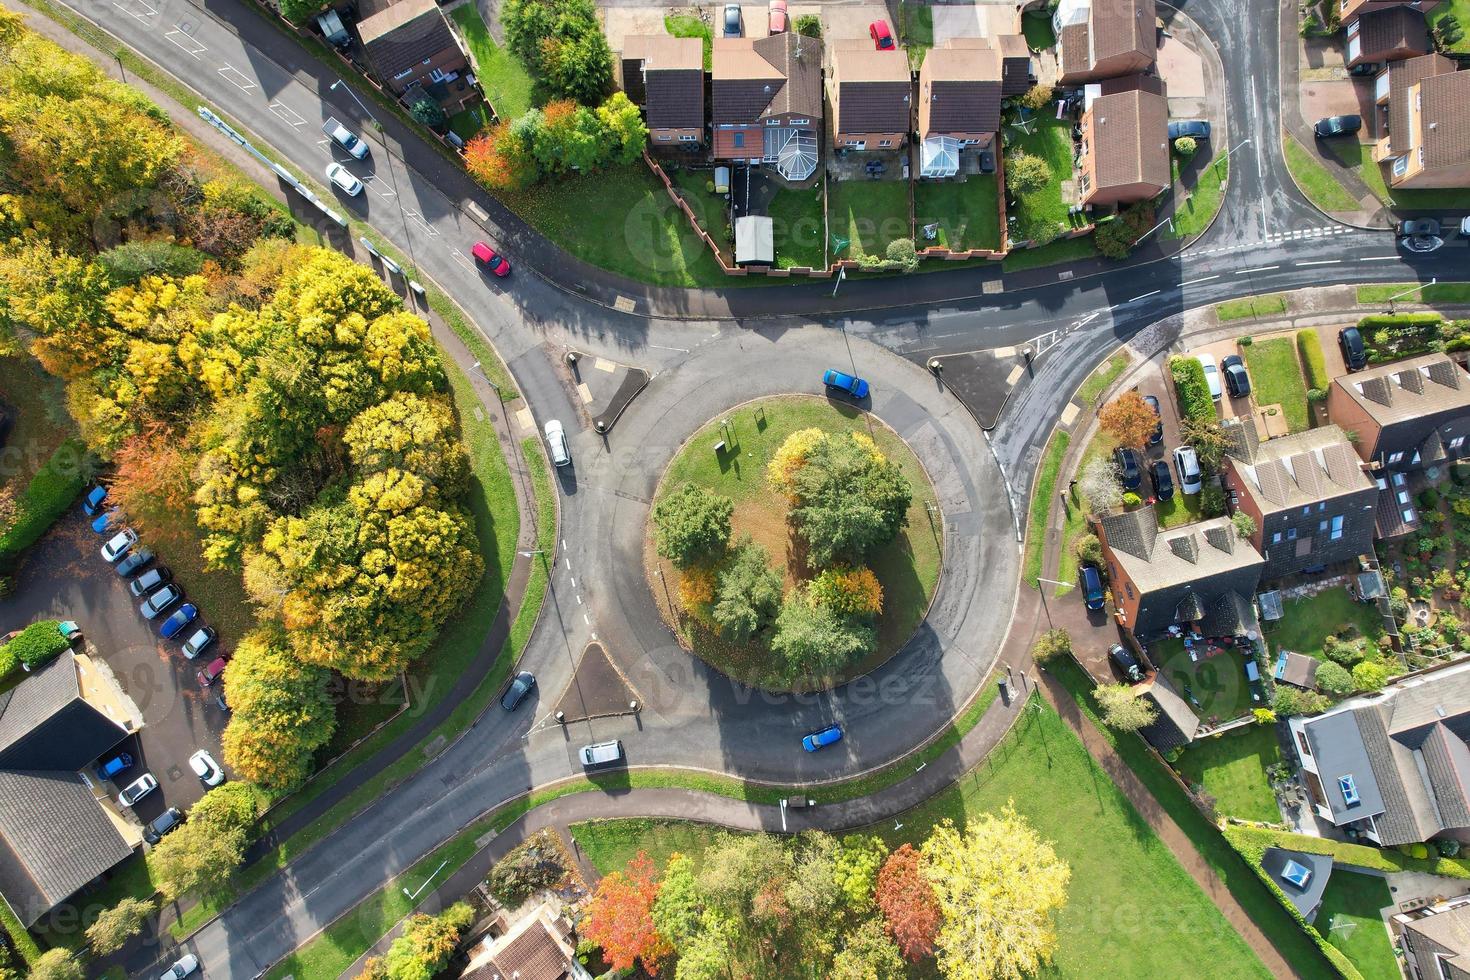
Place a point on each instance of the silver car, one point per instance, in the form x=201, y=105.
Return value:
x=1186, y=461
x=160, y=600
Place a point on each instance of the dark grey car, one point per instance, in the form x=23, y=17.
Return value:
x=1337, y=126
x=523, y=684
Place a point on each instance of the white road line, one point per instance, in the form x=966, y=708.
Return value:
x=567, y=560
x=572, y=580
x=1264, y=268
x=241, y=82
x=1193, y=282
x=1144, y=296
x=187, y=44
x=1089, y=318
x=579, y=600
x=375, y=183
x=126, y=8
x=463, y=259
x=428, y=228
x=287, y=113
x=1378, y=258
x=588, y=621
x=1321, y=262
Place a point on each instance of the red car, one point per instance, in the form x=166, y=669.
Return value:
x=881, y=35
x=208, y=675
x=488, y=258
x=778, y=16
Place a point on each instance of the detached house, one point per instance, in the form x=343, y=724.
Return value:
x=1104, y=38
x=871, y=94
x=665, y=75
x=1424, y=104
x=1125, y=142
x=766, y=101
x=960, y=86
x=1311, y=500
x=1349, y=11
x=1386, y=35
x=410, y=45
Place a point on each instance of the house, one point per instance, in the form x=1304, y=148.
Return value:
x=1201, y=574
x=1125, y=142
x=665, y=76
x=766, y=101
x=534, y=948
x=1104, y=39
x=1386, y=35
x=1175, y=723
x=871, y=93
x=58, y=828
x=960, y=85
x=1407, y=415
x=1424, y=122
x=1349, y=11
x=1311, y=500
x=411, y=46
x=1395, y=767
x=1017, y=69
x=1436, y=940
x=1302, y=877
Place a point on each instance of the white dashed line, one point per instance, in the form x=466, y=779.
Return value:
x=1264, y=268
x=143, y=15
x=187, y=44
x=373, y=181
x=1194, y=282
x=1144, y=296
x=1321, y=262
x=1378, y=258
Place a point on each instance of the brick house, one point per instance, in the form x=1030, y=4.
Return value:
x=1424, y=122
x=1105, y=38
x=871, y=94
x=960, y=87
x=1349, y=11
x=410, y=45
x=766, y=102
x=665, y=76
x=1125, y=142
x=1386, y=35
x=1407, y=415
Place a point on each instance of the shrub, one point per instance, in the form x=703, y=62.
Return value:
x=1212, y=501
x=902, y=251
x=37, y=643
x=1245, y=524
x=1334, y=678
x=130, y=262
x=1053, y=643
x=1026, y=173
x=1089, y=550
x=692, y=524
x=1192, y=389
x=1289, y=701
x=809, y=25
x=1344, y=652
x=1037, y=97
x=1116, y=238
x=534, y=864
x=48, y=495
x=1369, y=675
x=1448, y=847
x=1246, y=341
x=849, y=591
x=297, y=11
x=427, y=112
x=1131, y=499
x=8, y=661
x=1314, y=362
x=1185, y=147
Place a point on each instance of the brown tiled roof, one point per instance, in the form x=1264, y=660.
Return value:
x=960, y=88
x=1015, y=64
x=769, y=76
x=405, y=35
x=1121, y=26
x=1382, y=31
x=1076, y=55
x=1131, y=132
x=874, y=89
x=1408, y=389
x=1402, y=75
x=1445, y=118
x=1303, y=468
x=673, y=78
x=1132, y=83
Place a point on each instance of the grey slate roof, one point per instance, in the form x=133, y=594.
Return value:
x=1445, y=936
x=1176, y=724
x=1307, y=900
x=1299, y=469
x=46, y=725
x=1229, y=614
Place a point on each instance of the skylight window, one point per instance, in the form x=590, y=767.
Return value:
x=1349, y=790
x=1297, y=874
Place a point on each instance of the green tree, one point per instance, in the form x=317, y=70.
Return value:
x=1245, y=524
x=561, y=43
x=624, y=129
x=857, y=863
x=850, y=500
x=429, y=113
x=298, y=11
x=809, y=25
x=115, y=926
x=570, y=138
x=427, y=943
x=1208, y=438
x=1026, y=173
x=676, y=910
x=57, y=964
x=197, y=859
x=1053, y=643
x=868, y=954
x=1334, y=678
x=814, y=641
x=748, y=592
x=692, y=524
x=1123, y=709
x=1370, y=675
x=1037, y=97
x=231, y=806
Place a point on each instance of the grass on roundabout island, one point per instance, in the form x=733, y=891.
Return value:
x=907, y=567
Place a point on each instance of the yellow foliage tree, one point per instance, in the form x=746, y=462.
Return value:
x=696, y=587
x=851, y=591
x=791, y=457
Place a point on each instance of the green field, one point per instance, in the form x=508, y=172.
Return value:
x=1268, y=304
x=1050, y=139
x=1232, y=769
x=869, y=213
x=1404, y=292
x=968, y=212
x=1315, y=181
x=1349, y=920
x=1276, y=379
x=502, y=77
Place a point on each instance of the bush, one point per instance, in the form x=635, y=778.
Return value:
x=1116, y=238
x=428, y=113
x=8, y=661
x=1314, y=362
x=1369, y=675
x=1037, y=97
x=533, y=865
x=1212, y=501
x=50, y=492
x=1334, y=678
x=128, y=263
x=37, y=643
x=1131, y=499
x=1089, y=550
x=297, y=11
x=1246, y=341
x=1245, y=524
x=1053, y=644
x=902, y=251
x=1191, y=388
x=809, y=25
x=1026, y=173
x=1185, y=147
x=848, y=591
x=1448, y=847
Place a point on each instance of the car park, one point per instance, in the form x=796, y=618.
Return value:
x=1212, y=374
x=1092, y=587
x=845, y=383
x=200, y=640
x=346, y=139
x=1354, y=353
x=138, y=789
x=182, y=968
x=881, y=35
x=1236, y=379
x=1152, y=401
x=1126, y=662
x=601, y=753
x=1186, y=461
x=778, y=17
x=163, y=823
x=204, y=766
x=1195, y=129
x=160, y=601
x=1129, y=472
x=206, y=676
x=175, y=624
x=150, y=580
x=111, y=767
x=523, y=684
x=104, y=522
x=1337, y=126
x=343, y=180
x=135, y=560
x=119, y=544
x=556, y=443
x=733, y=26
x=93, y=501
x=487, y=258
x=1163, y=483
x=821, y=739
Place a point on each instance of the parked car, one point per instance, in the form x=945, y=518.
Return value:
x=1195, y=129
x=1126, y=662
x=827, y=736
x=342, y=178
x=733, y=26
x=778, y=17
x=138, y=789
x=1092, y=587
x=524, y=684
x=881, y=35
x=206, y=676
x=93, y=501
x=160, y=600
x=200, y=640
x=1163, y=483
x=1186, y=461
x=1129, y=472
x=175, y=624
x=119, y=544
x=1421, y=244
x=204, y=766
x=163, y=823
x=556, y=443
x=841, y=381
x=487, y=258
x=118, y=763
x=1236, y=379
x=104, y=522
x=1152, y=402
x=134, y=561
x=1415, y=227
x=601, y=753
x=150, y=580
x=346, y=139
x=1354, y=354
x=186, y=965
x=1212, y=374
x=1337, y=126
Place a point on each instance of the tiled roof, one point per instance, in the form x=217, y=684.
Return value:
x=1122, y=26
x=1300, y=670
x=1156, y=559
x=405, y=35
x=1394, y=29
x=874, y=89
x=1299, y=469
x=1230, y=614
x=1015, y=64
x=1131, y=135
x=672, y=78
x=960, y=88
x=1445, y=120
x=1176, y=724
x=1443, y=940
x=45, y=723
x=1075, y=45
x=1403, y=75
x=1408, y=389
x=769, y=76
x=664, y=52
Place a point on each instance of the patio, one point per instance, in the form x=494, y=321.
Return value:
x=1215, y=684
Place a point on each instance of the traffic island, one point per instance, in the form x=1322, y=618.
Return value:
x=605, y=388
x=597, y=688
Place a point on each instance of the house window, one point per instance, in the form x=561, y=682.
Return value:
x=1301, y=740
x=1322, y=527
x=1337, y=527
x=773, y=122
x=665, y=137
x=1128, y=586
x=1276, y=538
x=403, y=74
x=1291, y=534
x=885, y=142
x=1400, y=166
x=1322, y=506
x=739, y=140
x=801, y=122
x=1456, y=443
x=1352, y=30
x=1306, y=510
x=1395, y=458
x=686, y=138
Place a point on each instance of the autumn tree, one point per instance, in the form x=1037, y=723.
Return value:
x=849, y=499
x=623, y=128
x=910, y=908
x=1100, y=486
x=229, y=806
x=1128, y=419
x=503, y=158
x=789, y=458
x=1123, y=709
x=812, y=640
x=676, y=909
x=848, y=591
x=198, y=858
x=620, y=918
x=857, y=863
x=999, y=885
x=151, y=480
x=868, y=954
x=1026, y=173
x=115, y=926
x=568, y=139
x=692, y=524
x=561, y=42
x=427, y=943
x=57, y=964
x=280, y=712
x=747, y=593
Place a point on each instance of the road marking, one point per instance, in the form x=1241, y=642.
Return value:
x=477, y=211
x=1321, y=262
x=179, y=36
x=1378, y=258
x=624, y=305
x=579, y=602
x=572, y=580
x=1144, y=296
x=236, y=77
x=375, y=182
x=429, y=229
x=1264, y=268
x=1089, y=318
x=1193, y=282
x=136, y=15
x=1016, y=374
x=586, y=619
x=287, y=113
x=463, y=259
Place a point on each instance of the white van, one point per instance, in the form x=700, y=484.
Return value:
x=556, y=443
x=602, y=753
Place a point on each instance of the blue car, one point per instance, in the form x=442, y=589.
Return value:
x=104, y=521
x=93, y=503
x=825, y=737
x=114, y=765
x=856, y=387
x=175, y=624
x=1092, y=587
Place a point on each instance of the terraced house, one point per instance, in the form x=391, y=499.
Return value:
x=1424, y=122
x=766, y=102
x=1105, y=38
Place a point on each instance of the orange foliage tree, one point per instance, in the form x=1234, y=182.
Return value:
x=1128, y=419
x=910, y=907
x=151, y=479
x=620, y=918
x=500, y=159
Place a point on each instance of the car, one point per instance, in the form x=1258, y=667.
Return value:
x=163, y=823
x=733, y=27
x=1421, y=244
x=133, y=562
x=1417, y=227
x=186, y=965
x=881, y=35
x=118, y=763
x=1163, y=483
x=1092, y=587
x=150, y=580
x=1465, y=227
x=1128, y=469
x=204, y=766
x=200, y=640
x=487, y=258
x=601, y=753
x=104, y=522
x=844, y=382
x=1152, y=401
x=1337, y=126
x=1126, y=662
x=160, y=600
x=93, y=501
x=1212, y=374
x=119, y=544
x=778, y=17
x=524, y=684
x=556, y=443
x=1191, y=478
x=1195, y=129
x=827, y=736
x=1236, y=380
x=138, y=789
x=346, y=139
x=342, y=178
x=175, y=624
x=206, y=676
x=1354, y=353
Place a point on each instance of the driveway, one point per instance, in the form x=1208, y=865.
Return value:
x=975, y=20
x=1227, y=406
x=622, y=22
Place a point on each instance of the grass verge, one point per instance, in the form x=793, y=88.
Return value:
x=1194, y=214
x=1440, y=292
x=1066, y=250
x=1315, y=181
x=1360, y=157
x=1041, y=497
x=1251, y=306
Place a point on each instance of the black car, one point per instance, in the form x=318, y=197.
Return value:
x=1236, y=379
x=1337, y=126
x=1152, y=402
x=1354, y=354
x=162, y=824
x=1128, y=469
x=523, y=684
x=1158, y=474
x=1195, y=129
x=1418, y=227
x=1126, y=662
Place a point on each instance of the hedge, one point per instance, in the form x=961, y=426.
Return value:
x=1314, y=362
x=1252, y=842
x=1192, y=388
x=50, y=492
x=1399, y=320
x=1389, y=336
x=36, y=644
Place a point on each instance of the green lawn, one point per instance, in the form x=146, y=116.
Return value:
x=1333, y=612
x=1042, y=494
x=1178, y=510
x=1066, y=250
x=1276, y=378
x=502, y=77
x=1252, y=306
x=1314, y=179
x=1050, y=139
x=1037, y=28
x=688, y=25
x=1202, y=199
x=610, y=844
x=1216, y=684
x=1102, y=379
x=1232, y=769
x=1360, y=155
x=870, y=213
x=1349, y=920
x=712, y=210
x=468, y=123
x=916, y=31
x=1460, y=9
x=1442, y=292
x=798, y=228
x=968, y=211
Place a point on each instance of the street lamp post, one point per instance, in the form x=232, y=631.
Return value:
x=1048, y=581
x=392, y=170
x=413, y=895
x=1412, y=289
